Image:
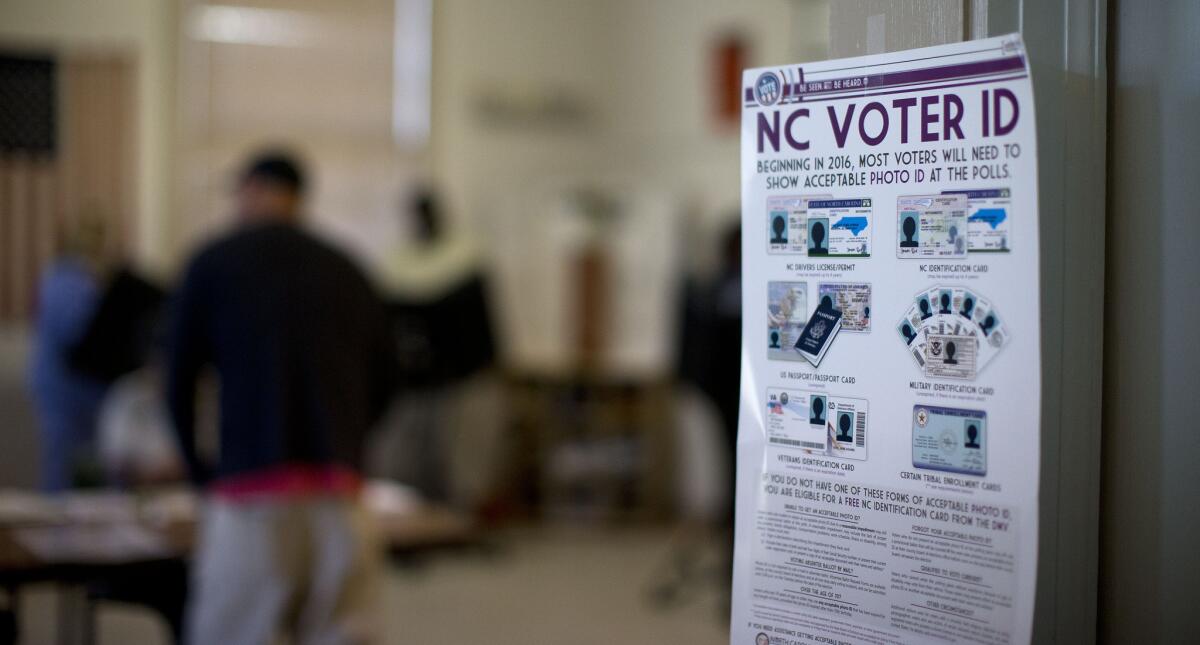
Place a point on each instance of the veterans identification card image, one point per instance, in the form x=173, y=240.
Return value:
x=816, y=422
x=846, y=424
x=853, y=299
x=839, y=228
x=796, y=419
x=931, y=226
x=988, y=219
x=787, y=313
x=787, y=224
x=949, y=439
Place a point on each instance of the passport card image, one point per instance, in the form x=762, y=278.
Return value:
x=852, y=299
x=796, y=419
x=787, y=313
x=839, y=228
x=931, y=226
x=951, y=356
x=787, y=224
x=949, y=439
x=987, y=219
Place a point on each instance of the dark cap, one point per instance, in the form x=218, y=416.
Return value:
x=275, y=167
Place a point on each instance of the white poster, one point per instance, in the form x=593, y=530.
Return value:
x=888, y=446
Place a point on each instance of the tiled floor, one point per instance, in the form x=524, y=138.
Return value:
x=543, y=586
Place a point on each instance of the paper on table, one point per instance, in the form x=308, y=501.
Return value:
x=94, y=543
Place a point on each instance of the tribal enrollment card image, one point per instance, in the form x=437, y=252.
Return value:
x=931, y=226
x=787, y=313
x=839, y=228
x=852, y=299
x=949, y=439
x=787, y=224
x=987, y=219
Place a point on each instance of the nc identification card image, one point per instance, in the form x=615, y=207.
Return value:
x=988, y=219
x=931, y=226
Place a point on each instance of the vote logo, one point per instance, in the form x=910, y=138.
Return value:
x=768, y=89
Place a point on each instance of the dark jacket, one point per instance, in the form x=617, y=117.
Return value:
x=301, y=345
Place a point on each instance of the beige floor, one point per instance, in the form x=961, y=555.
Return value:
x=547, y=586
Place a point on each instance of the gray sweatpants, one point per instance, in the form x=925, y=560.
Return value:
x=303, y=569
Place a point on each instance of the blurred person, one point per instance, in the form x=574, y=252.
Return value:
x=135, y=441
x=443, y=437
x=712, y=332
x=67, y=400
x=710, y=360
x=303, y=354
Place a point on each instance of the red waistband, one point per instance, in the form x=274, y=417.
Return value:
x=289, y=480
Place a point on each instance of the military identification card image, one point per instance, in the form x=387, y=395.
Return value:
x=931, y=226
x=964, y=303
x=787, y=224
x=839, y=228
x=949, y=356
x=949, y=439
x=987, y=219
x=787, y=313
x=852, y=299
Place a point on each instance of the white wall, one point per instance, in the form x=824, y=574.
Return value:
x=319, y=84
x=641, y=70
x=1150, y=518
x=147, y=29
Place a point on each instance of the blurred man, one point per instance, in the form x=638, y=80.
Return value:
x=67, y=399
x=303, y=353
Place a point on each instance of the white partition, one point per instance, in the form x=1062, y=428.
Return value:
x=1065, y=40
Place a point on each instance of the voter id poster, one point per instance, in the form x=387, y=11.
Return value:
x=889, y=433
